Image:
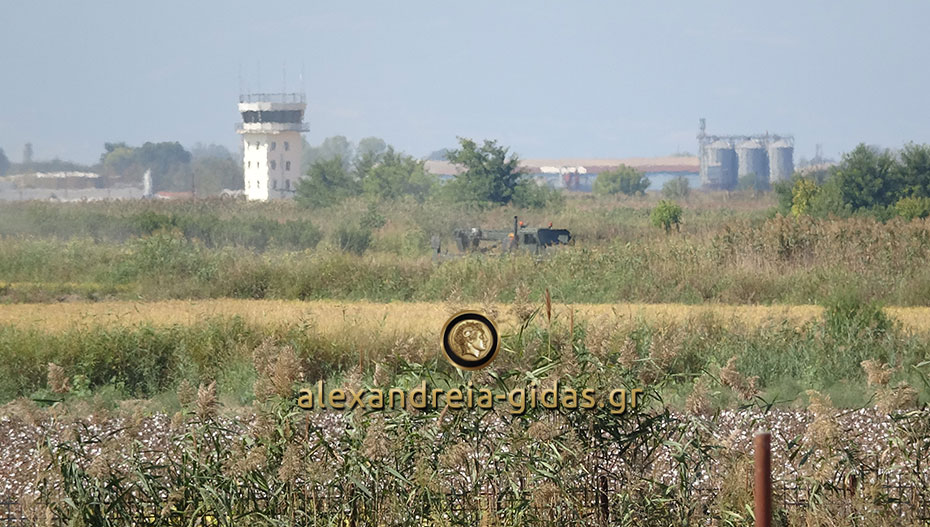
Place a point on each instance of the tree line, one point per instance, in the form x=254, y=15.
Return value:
x=489, y=175
x=204, y=169
x=867, y=180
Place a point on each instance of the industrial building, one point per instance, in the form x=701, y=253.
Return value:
x=579, y=174
x=272, y=146
x=725, y=159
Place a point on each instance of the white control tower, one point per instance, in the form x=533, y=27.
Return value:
x=272, y=145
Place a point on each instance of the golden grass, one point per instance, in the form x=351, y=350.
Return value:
x=401, y=317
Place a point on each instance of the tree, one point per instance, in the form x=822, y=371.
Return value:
x=332, y=147
x=621, y=180
x=868, y=178
x=915, y=170
x=829, y=201
x=490, y=176
x=783, y=192
x=369, y=153
x=913, y=207
x=210, y=151
x=168, y=161
x=4, y=163
x=328, y=181
x=119, y=162
x=803, y=194
x=665, y=214
x=676, y=188
x=213, y=174
x=214, y=168
x=438, y=155
x=371, y=145
x=397, y=174
x=108, y=148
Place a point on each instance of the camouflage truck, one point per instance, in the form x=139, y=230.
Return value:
x=521, y=238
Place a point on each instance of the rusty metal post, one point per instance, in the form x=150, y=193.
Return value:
x=762, y=489
x=603, y=501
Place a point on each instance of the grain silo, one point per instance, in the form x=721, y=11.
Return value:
x=727, y=158
x=753, y=159
x=721, y=165
x=781, y=160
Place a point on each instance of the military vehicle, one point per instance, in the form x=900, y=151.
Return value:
x=521, y=238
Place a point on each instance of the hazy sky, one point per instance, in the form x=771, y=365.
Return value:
x=549, y=79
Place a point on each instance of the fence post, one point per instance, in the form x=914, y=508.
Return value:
x=603, y=500
x=762, y=489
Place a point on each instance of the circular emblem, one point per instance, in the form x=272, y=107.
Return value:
x=470, y=340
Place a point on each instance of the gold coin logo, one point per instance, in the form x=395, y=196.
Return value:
x=470, y=340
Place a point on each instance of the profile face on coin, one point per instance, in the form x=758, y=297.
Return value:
x=470, y=340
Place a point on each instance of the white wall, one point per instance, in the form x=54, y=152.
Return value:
x=271, y=164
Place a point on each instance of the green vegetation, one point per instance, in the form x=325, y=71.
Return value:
x=665, y=214
x=677, y=188
x=144, y=361
x=169, y=163
x=802, y=194
x=361, y=230
x=867, y=180
x=328, y=181
x=392, y=175
x=913, y=207
x=622, y=180
x=400, y=466
x=359, y=250
x=376, y=171
x=750, y=182
x=492, y=177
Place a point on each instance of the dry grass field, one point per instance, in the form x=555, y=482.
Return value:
x=336, y=317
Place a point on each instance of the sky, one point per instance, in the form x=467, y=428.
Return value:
x=547, y=79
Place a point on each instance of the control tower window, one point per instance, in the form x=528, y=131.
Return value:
x=272, y=116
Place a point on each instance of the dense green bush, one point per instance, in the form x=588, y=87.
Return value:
x=622, y=180
x=870, y=181
x=666, y=214
x=354, y=239
x=913, y=207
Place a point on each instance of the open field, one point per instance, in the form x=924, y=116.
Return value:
x=129, y=422
x=728, y=252
x=422, y=318
x=149, y=347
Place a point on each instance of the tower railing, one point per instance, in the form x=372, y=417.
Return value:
x=272, y=127
x=274, y=97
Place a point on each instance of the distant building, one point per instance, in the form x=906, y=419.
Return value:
x=272, y=146
x=58, y=180
x=579, y=174
x=725, y=159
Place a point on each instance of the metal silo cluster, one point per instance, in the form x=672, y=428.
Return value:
x=726, y=159
x=781, y=160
